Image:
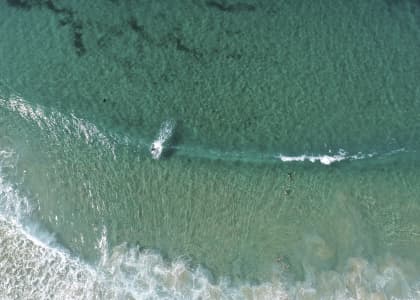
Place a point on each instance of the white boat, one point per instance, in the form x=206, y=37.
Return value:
x=156, y=149
x=165, y=133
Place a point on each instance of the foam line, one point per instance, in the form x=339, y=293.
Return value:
x=32, y=269
x=326, y=159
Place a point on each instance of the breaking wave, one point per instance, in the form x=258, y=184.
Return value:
x=33, y=265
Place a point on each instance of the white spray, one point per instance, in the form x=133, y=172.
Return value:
x=165, y=133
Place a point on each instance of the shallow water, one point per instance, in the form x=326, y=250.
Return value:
x=290, y=166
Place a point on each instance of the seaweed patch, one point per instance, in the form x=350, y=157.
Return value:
x=180, y=46
x=66, y=18
x=51, y=6
x=77, y=39
x=22, y=4
x=170, y=39
x=232, y=8
x=69, y=19
x=139, y=29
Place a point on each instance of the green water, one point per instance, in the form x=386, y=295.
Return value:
x=81, y=102
x=286, y=77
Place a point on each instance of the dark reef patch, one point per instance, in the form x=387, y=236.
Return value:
x=77, y=39
x=180, y=46
x=232, y=8
x=234, y=55
x=23, y=4
x=413, y=6
x=68, y=18
x=135, y=26
x=172, y=39
x=66, y=15
x=139, y=29
x=51, y=6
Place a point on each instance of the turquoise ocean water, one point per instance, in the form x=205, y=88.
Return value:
x=291, y=135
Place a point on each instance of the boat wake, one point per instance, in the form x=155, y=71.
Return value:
x=326, y=159
x=54, y=123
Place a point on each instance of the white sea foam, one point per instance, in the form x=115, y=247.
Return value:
x=327, y=159
x=54, y=122
x=30, y=270
x=12, y=205
x=35, y=267
x=165, y=133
